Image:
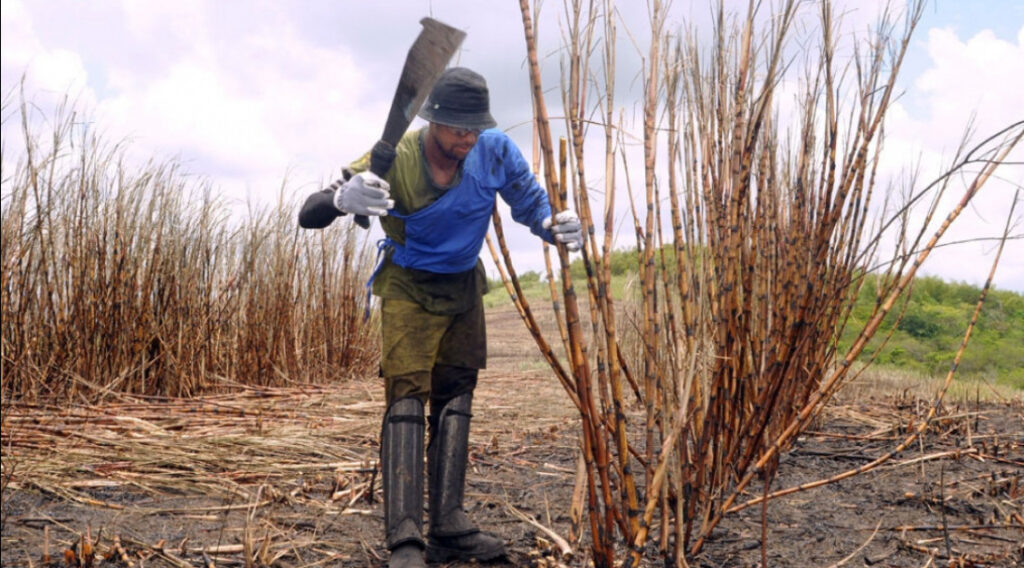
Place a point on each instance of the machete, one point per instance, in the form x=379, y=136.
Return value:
x=427, y=59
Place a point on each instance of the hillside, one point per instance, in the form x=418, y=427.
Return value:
x=930, y=330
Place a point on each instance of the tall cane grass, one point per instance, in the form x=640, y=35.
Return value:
x=746, y=279
x=137, y=279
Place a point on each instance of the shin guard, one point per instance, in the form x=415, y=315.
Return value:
x=452, y=536
x=401, y=453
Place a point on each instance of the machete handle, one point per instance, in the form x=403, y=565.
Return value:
x=381, y=157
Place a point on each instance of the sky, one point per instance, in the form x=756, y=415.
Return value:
x=265, y=98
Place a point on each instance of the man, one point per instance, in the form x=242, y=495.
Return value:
x=435, y=206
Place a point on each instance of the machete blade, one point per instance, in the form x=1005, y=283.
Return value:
x=427, y=59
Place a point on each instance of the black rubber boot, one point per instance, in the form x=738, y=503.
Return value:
x=452, y=536
x=401, y=455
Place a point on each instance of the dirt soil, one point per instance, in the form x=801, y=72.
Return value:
x=288, y=477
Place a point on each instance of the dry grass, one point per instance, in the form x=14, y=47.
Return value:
x=215, y=446
x=246, y=474
x=137, y=280
x=254, y=476
x=272, y=476
x=887, y=382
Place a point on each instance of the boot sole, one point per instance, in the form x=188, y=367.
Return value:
x=445, y=554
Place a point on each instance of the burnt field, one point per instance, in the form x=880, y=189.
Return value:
x=288, y=477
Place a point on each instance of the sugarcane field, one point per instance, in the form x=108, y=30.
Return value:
x=288, y=477
x=712, y=320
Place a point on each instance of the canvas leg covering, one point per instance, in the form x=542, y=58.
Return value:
x=452, y=536
x=401, y=454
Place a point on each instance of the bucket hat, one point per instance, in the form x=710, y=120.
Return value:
x=459, y=98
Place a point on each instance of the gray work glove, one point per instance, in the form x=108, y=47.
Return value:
x=566, y=229
x=364, y=194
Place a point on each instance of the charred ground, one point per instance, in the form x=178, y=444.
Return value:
x=287, y=477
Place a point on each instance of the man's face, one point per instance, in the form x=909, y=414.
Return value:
x=455, y=143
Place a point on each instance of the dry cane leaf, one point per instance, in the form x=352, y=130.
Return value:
x=576, y=508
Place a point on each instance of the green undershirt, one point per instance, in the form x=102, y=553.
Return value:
x=412, y=188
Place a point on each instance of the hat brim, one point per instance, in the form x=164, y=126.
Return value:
x=472, y=121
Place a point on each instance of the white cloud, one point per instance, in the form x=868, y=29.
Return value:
x=246, y=96
x=964, y=83
x=244, y=111
x=50, y=72
x=193, y=111
x=20, y=43
x=182, y=19
x=58, y=71
x=983, y=75
x=974, y=82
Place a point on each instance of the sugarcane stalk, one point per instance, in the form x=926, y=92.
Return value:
x=932, y=408
x=831, y=383
x=603, y=551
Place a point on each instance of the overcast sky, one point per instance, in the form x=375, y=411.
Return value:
x=249, y=93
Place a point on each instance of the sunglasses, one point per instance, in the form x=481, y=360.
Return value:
x=463, y=132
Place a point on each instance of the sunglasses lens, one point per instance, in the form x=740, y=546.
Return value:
x=464, y=132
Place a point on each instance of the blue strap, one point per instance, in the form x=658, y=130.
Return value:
x=383, y=246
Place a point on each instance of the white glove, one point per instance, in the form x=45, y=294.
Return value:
x=364, y=194
x=566, y=229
